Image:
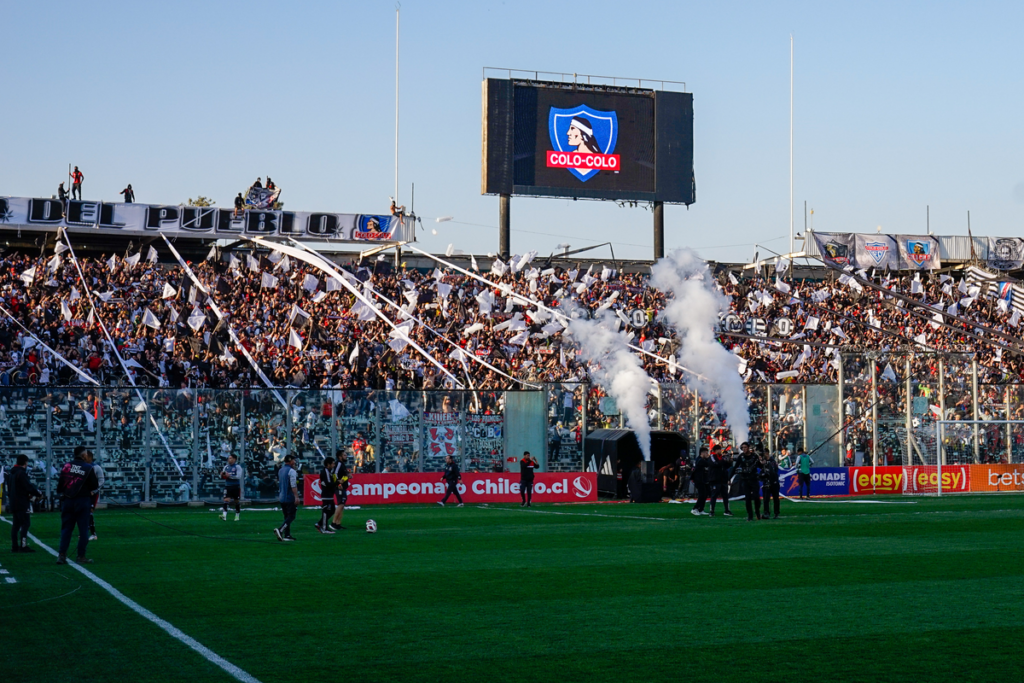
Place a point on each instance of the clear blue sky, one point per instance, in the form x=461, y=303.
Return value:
x=898, y=106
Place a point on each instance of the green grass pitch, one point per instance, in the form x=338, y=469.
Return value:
x=932, y=590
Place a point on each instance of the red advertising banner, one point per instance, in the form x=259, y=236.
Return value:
x=868, y=481
x=997, y=477
x=427, y=487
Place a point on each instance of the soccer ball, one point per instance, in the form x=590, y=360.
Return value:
x=371, y=526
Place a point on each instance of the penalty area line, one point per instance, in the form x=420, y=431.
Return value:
x=209, y=655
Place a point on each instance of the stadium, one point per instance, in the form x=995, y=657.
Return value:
x=249, y=442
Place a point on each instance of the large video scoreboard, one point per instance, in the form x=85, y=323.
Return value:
x=549, y=139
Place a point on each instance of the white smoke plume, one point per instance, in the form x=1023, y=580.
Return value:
x=616, y=368
x=693, y=311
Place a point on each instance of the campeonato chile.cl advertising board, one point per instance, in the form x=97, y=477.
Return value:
x=427, y=487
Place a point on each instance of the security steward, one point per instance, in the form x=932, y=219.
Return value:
x=748, y=466
x=21, y=491
x=452, y=477
x=770, y=483
x=699, y=477
x=75, y=486
x=527, y=466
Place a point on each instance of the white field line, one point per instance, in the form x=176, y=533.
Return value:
x=171, y=630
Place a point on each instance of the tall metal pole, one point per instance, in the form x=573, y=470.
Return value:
x=791, y=241
x=398, y=15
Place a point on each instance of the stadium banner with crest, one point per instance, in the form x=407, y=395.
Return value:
x=876, y=251
x=1005, y=253
x=442, y=434
x=136, y=220
x=836, y=249
x=918, y=252
x=484, y=487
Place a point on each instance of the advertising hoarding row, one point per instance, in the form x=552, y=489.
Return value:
x=27, y=213
x=427, y=487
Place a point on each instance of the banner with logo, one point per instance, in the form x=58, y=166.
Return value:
x=1005, y=253
x=484, y=436
x=427, y=487
x=836, y=249
x=825, y=481
x=996, y=478
x=955, y=479
x=918, y=252
x=869, y=481
x=442, y=434
x=22, y=213
x=877, y=251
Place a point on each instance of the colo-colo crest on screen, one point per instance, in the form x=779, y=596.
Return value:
x=583, y=141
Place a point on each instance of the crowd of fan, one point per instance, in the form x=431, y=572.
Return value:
x=304, y=329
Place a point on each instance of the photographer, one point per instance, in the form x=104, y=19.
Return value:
x=747, y=467
x=21, y=491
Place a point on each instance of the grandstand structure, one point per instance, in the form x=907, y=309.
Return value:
x=856, y=367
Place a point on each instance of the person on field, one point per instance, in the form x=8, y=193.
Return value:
x=20, y=492
x=452, y=477
x=94, y=500
x=804, y=462
x=720, y=473
x=699, y=477
x=527, y=465
x=75, y=485
x=748, y=468
x=288, y=495
x=770, y=484
x=328, y=488
x=232, y=476
x=343, y=477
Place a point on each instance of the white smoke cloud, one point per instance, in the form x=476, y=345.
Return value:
x=693, y=312
x=616, y=368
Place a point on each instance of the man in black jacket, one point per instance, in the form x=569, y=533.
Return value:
x=328, y=487
x=748, y=468
x=527, y=465
x=720, y=471
x=75, y=486
x=21, y=491
x=699, y=477
x=452, y=477
x=770, y=483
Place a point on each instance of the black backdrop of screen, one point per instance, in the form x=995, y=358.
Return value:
x=654, y=142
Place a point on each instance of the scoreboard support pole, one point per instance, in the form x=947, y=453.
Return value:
x=504, y=221
x=659, y=230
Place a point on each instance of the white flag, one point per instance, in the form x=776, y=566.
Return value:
x=333, y=284
x=498, y=267
x=112, y=262
x=781, y=286
x=782, y=266
x=28, y=276
x=133, y=259
x=75, y=296
x=294, y=339
x=65, y=311
x=319, y=296
x=921, y=339
x=169, y=291
x=520, y=338
x=150, y=320
x=1015, y=318
x=285, y=264
x=60, y=248
x=296, y=311
x=251, y=263
x=151, y=255
x=268, y=281
x=174, y=314
x=473, y=265
x=354, y=355
x=889, y=373
x=812, y=323
x=398, y=411
x=196, y=320
x=309, y=283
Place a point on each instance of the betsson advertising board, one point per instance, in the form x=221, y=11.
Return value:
x=427, y=487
